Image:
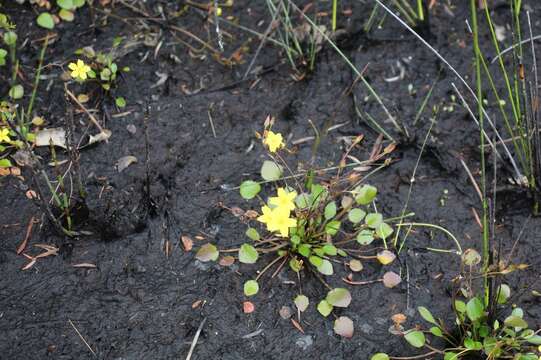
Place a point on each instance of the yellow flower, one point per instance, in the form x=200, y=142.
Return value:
x=79, y=70
x=266, y=218
x=277, y=219
x=282, y=222
x=284, y=200
x=4, y=135
x=274, y=141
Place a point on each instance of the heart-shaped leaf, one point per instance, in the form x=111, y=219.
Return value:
x=385, y=257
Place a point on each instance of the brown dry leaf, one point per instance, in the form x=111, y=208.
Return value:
x=285, y=312
x=5, y=172
x=391, y=279
x=29, y=265
x=56, y=136
x=297, y=325
x=355, y=265
x=343, y=326
x=227, y=261
x=31, y=194
x=237, y=211
x=102, y=136
x=386, y=257
x=398, y=319
x=251, y=214
x=22, y=245
x=83, y=98
x=187, y=242
x=196, y=304
x=84, y=265
x=124, y=162
x=248, y=307
x=15, y=171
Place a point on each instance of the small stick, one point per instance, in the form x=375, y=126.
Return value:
x=195, y=338
x=82, y=338
x=92, y=118
x=22, y=246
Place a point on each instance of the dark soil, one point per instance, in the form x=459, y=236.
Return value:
x=137, y=302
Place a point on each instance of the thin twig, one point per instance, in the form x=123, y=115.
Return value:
x=195, y=338
x=82, y=338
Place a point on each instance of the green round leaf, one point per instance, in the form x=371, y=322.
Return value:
x=45, y=20
x=384, y=230
x=251, y=287
x=120, y=102
x=16, y=92
x=10, y=38
x=504, y=292
x=325, y=268
x=302, y=201
x=356, y=215
x=271, y=171
x=365, y=195
x=324, y=308
x=415, y=338
x=207, y=252
x=460, y=306
x=475, y=309
x=339, y=297
x=436, y=331
x=66, y=15
x=332, y=227
x=248, y=254
x=252, y=234
x=249, y=189
x=78, y=3
x=373, y=220
x=516, y=322
x=330, y=210
x=5, y=163
x=449, y=355
x=315, y=260
x=329, y=249
x=295, y=265
x=380, y=356
x=304, y=250
x=365, y=237
x=65, y=4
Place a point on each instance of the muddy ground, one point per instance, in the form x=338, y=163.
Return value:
x=137, y=302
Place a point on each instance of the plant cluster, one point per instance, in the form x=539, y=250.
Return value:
x=312, y=223
x=65, y=10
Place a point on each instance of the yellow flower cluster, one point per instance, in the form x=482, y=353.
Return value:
x=276, y=216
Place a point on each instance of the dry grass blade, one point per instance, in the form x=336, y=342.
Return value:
x=82, y=338
x=23, y=244
x=195, y=338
